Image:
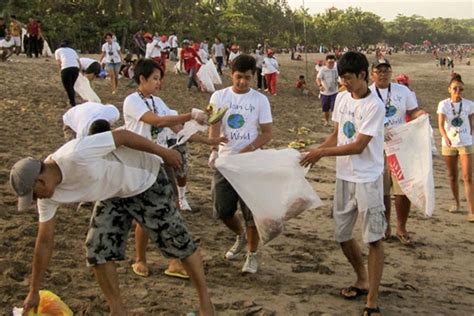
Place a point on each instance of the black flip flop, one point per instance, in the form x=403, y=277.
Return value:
x=368, y=311
x=358, y=292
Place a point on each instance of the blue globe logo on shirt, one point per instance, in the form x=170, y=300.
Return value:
x=457, y=122
x=390, y=111
x=235, y=121
x=349, y=129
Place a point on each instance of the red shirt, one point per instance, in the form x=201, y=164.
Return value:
x=300, y=84
x=33, y=28
x=188, y=55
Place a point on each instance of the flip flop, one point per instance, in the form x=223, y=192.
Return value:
x=176, y=274
x=368, y=311
x=345, y=292
x=140, y=268
x=454, y=209
x=404, y=239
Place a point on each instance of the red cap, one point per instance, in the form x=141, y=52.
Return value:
x=148, y=35
x=269, y=51
x=404, y=79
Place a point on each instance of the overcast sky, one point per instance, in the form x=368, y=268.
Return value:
x=388, y=9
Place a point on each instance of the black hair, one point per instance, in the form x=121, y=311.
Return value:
x=330, y=56
x=301, y=76
x=355, y=63
x=108, y=34
x=64, y=43
x=99, y=126
x=13, y=16
x=455, y=77
x=243, y=63
x=145, y=67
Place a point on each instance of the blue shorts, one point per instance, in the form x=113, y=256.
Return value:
x=327, y=102
x=115, y=67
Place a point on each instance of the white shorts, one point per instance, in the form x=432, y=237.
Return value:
x=353, y=198
x=17, y=41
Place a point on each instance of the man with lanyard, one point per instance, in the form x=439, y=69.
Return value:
x=398, y=101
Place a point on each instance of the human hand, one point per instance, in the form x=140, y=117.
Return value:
x=309, y=158
x=172, y=158
x=31, y=302
x=447, y=141
x=199, y=116
x=214, y=141
x=212, y=159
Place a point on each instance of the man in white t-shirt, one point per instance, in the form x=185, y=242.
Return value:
x=174, y=44
x=248, y=111
x=357, y=141
x=328, y=86
x=7, y=45
x=121, y=170
x=399, y=101
x=218, y=52
x=79, y=120
x=89, y=67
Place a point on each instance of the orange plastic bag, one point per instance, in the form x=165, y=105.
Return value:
x=50, y=305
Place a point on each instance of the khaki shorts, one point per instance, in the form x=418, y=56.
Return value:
x=389, y=181
x=454, y=151
x=365, y=198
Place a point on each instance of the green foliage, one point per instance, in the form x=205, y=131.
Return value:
x=248, y=22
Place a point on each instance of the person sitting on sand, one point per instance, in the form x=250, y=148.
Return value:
x=357, y=143
x=121, y=170
x=455, y=126
x=248, y=126
x=7, y=45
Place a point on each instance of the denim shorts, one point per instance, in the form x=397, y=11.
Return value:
x=113, y=67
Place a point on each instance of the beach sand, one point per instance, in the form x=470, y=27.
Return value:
x=300, y=273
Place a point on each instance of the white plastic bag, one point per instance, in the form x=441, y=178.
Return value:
x=46, y=50
x=84, y=89
x=208, y=76
x=272, y=184
x=409, y=155
x=189, y=129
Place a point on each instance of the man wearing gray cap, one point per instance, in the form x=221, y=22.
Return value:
x=121, y=170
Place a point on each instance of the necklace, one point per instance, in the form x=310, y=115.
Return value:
x=154, y=130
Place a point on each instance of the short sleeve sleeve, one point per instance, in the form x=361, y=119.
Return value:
x=265, y=113
x=134, y=107
x=46, y=209
x=373, y=120
x=440, y=109
x=337, y=105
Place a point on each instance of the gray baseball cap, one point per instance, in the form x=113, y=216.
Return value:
x=23, y=176
x=381, y=62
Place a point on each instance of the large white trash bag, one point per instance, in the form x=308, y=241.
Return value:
x=208, y=76
x=272, y=184
x=409, y=155
x=84, y=89
x=47, y=50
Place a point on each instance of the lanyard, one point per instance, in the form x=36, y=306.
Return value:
x=389, y=94
x=454, y=112
x=152, y=107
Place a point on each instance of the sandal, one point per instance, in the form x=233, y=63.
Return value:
x=404, y=239
x=352, y=292
x=140, y=268
x=454, y=209
x=369, y=310
x=177, y=274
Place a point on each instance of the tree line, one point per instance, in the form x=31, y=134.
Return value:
x=247, y=22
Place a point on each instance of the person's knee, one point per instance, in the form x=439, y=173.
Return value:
x=467, y=177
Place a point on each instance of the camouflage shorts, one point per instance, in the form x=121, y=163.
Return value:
x=155, y=210
x=182, y=149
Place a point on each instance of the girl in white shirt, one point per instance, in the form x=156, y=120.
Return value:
x=455, y=125
x=112, y=58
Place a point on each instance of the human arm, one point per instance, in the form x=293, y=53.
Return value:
x=354, y=148
x=415, y=113
x=262, y=139
x=172, y=120
x=137, y=142
x=41, y=258
x=442, y=130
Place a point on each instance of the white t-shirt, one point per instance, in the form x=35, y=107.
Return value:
x=153, y=49
x=240, y=124
x=173, y=40
x=233, y=55
x=164, y=46
x=218, y=49
x=80, y=117
x=7, y=44
x=111, y=52
x=328, y=77
x=67, y=56
x=205, y=46
x=134, y=107
x=93, y=169
x=270, y=65
x=86, y=62
x=457, y=126
x=401, y=101
x=356, y=116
